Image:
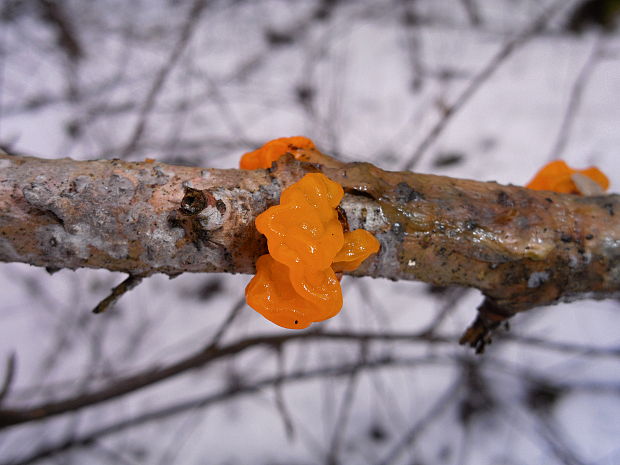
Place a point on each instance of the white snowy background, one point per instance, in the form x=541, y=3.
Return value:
x=200, y=82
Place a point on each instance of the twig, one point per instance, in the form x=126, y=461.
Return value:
x=141, y=379
x=227, y=323
x=9, y=376
x=193, y=17
x=574, y=102
x=472, y=11
x=483, y=75
x=441, y=404
x=118, y=291
x=280, y=402
x=205, y=401
x=348, y=397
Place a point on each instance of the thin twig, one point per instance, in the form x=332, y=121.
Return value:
x=574, y=102
x=227, y=323
x=472, y=11
x=348, y=397
x=186, y=31
x=280, y=402
x=141, y=379
x=9, y=376
x=442, y=403
x=152, y=375
x=483, y=75
x=202, y=402
x=118, y=291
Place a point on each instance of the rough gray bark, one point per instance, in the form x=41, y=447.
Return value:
x=521, y=248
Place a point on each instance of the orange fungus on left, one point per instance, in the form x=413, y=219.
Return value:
x=264, y=156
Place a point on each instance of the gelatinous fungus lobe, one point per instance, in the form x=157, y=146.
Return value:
x=319, y=287
x=271, y=294
x=304, y=229
x=358, y=246
x=264, y=156
x=557, y=176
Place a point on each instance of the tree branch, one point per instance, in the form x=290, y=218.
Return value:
x=521, y=248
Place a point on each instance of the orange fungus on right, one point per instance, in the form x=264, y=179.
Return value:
x=358, y=246
x=557, y=176
x=264, y=156
x=296, y=283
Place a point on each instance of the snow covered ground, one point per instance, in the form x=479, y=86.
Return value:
x=199, y=83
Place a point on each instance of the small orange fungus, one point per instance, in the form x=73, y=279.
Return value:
x=557, y=176
x=358, y=246
x=272, y=150
x=296, y=283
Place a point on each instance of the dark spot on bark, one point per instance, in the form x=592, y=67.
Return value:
x=199, y=236
x=221, y=206
x=193, y=202
x=566, y=238
x=405, y=193
x=342, y=217
x=470, y=225
x=53, y=242
x=174, y=220
x=504, y=200
x=610, y=208
x=359, y=193
x=397, y=229
x=549, y=200
x=424, y=242
x=589, y=237
x=55, y=217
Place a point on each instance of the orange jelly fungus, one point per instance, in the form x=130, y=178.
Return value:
x=272, y=150
x=320, y=288
x=271, y=294
x=296, y=283
x=557, y=177
x=358, y=246
x=304, y=229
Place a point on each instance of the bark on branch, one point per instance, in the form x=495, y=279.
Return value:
x=521, y=248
